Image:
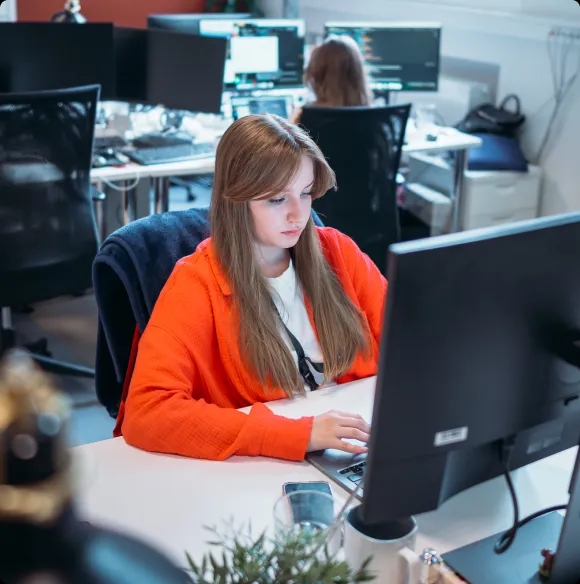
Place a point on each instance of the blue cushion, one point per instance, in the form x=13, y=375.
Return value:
x=497, y=153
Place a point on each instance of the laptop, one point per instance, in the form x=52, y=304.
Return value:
x=280, y=105
x=345, y=469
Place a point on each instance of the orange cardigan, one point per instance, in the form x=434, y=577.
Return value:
x=189, y=378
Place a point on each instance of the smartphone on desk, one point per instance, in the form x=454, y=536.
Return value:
x=306, y=508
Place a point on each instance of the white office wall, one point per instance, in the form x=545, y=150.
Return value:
x=552, y=8
x=275, y=8
x=8, y=10
x=510, y=33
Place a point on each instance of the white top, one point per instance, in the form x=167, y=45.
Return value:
x=289, y=300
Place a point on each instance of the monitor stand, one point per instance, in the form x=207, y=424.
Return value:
x=479, y=564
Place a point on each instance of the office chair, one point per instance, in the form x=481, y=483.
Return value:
x=48, y=235
x=363, y=146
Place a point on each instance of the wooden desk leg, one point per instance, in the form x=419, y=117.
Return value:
x=458, y=187
x=161, y=194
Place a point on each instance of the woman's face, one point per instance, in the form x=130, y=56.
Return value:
x=280, y=220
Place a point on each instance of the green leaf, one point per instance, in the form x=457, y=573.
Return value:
x=293, y=558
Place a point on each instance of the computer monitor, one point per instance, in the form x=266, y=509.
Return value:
x=272, y=104
x=190, y=22
x=131, y=49
x=185, y=71
x=400, y=56
x=37, y=56
x=262, y=53
x=479, y=375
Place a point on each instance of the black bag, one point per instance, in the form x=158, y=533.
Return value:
x=488, y=118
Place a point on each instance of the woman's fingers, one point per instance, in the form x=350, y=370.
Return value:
x=355, y=422
x=348, y=447
x=353, y=434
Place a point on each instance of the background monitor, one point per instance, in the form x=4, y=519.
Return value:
x=37, y=56
x=131, y=48
x=185, y=71
x=262, y=53
x=189, y=22
x=400, y=56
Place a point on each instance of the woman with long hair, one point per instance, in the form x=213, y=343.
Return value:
x=268, y=307
x=336, y=75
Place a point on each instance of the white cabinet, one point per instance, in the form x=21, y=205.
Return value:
x=489, y=197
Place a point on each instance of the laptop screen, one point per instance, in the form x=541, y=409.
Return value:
x=279, y=105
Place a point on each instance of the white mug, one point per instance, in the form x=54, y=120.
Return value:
x=391, y=547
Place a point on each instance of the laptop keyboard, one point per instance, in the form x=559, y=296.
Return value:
x=354, y=472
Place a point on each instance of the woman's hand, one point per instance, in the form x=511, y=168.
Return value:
x=330, y=429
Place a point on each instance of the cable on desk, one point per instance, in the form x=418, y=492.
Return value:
x=114, y=187
x=529, y=518
x=504, y=543
x=507, y=539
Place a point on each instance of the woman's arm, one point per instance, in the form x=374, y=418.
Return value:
x=164, y=411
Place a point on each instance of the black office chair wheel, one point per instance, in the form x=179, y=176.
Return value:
x=39, y=347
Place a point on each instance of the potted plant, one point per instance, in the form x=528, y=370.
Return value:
x=300, y=557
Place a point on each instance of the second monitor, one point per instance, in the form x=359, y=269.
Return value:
x=400, y=56
x=188, y=22
x=41, y=56
x=262, y=53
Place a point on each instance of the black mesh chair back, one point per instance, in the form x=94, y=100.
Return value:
x=48, y=234
x=363, y=146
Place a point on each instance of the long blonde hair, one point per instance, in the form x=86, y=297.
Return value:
x=336, y=74
x=257, y=158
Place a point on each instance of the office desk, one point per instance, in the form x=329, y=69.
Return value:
x=127, y=176
x=448, y=139
x=167, y=500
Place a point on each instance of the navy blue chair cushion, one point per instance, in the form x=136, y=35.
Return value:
x=497, y=153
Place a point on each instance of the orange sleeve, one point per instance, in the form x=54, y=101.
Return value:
x=165, y=411
x=369, y=284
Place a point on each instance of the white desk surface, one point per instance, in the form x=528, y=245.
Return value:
x=167, y=500
x=132, y=171
x=448, y=139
